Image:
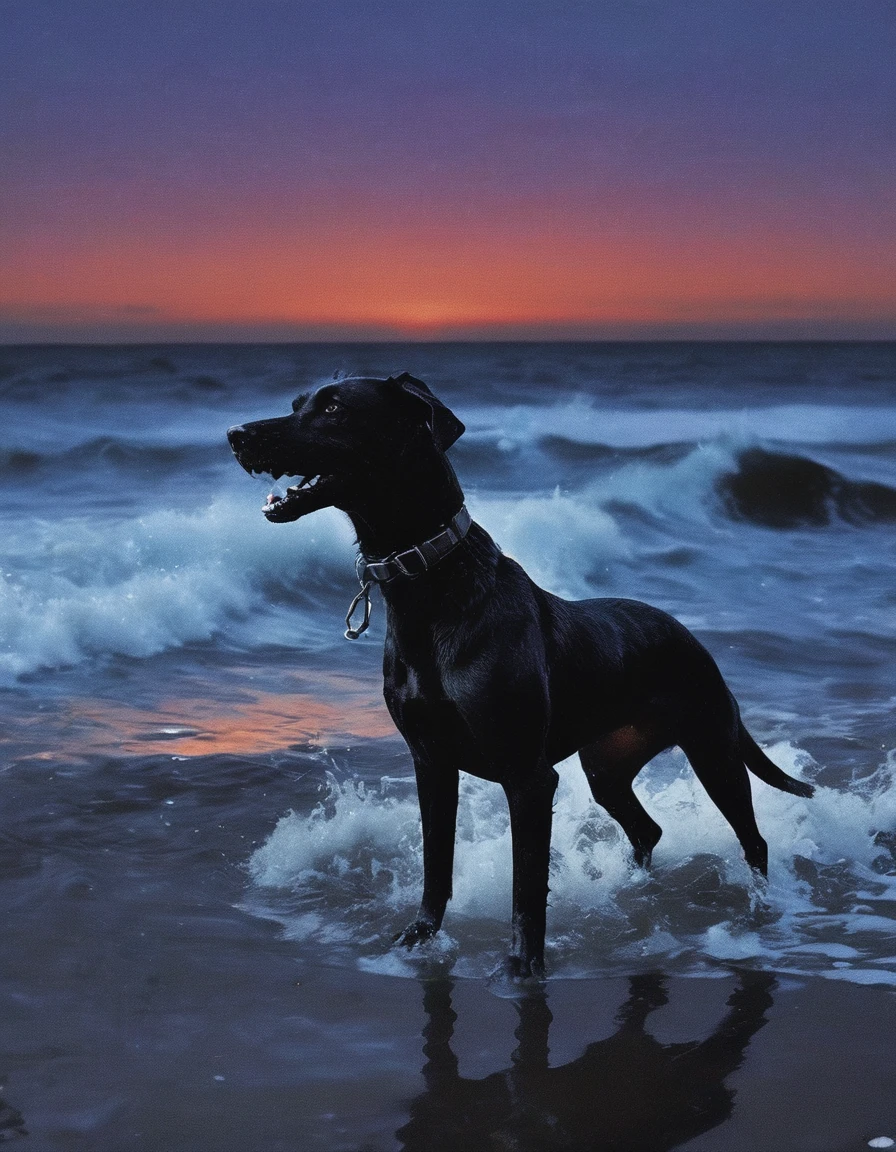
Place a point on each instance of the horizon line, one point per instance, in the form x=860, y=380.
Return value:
x=21, y=335
x=179, y=342
x=111, y=341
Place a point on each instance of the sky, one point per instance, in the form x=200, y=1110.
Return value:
x=472, y=169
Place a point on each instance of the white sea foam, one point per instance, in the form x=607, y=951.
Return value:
x=562, y=541
x=76, y=587
x=683, y=489
x=589, y=422
x=356, y=860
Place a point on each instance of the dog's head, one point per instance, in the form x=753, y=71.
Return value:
x=340, y=436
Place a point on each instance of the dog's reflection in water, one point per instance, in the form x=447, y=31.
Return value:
x=628, y=1093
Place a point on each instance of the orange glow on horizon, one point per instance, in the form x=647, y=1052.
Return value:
x=420, y=274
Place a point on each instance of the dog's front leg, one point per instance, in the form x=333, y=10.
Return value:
x=437, y=792
x=531, y=808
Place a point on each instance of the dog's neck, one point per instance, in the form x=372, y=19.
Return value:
x=410, y=505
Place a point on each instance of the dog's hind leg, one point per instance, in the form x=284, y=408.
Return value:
x=719, y=767
x=611, y=765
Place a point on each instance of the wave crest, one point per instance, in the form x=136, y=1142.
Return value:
x=783, y=491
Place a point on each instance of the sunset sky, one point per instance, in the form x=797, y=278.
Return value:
x=382, y=169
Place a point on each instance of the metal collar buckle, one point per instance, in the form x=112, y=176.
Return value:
x=402, y=556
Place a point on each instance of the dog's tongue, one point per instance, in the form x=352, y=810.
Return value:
x=277, y=493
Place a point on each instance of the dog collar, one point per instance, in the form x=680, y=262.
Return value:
x=412, y=562
x=415, y=561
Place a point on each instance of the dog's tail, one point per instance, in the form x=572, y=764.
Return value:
x=760, y=765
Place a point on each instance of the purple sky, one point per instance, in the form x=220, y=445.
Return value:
x=286, y=170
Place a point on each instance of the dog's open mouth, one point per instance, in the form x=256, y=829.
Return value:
x=311, y=493
x=315, y=489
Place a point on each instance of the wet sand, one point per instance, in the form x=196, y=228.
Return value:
x=179, y=1022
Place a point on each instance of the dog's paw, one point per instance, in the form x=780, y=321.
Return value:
x=415, y=933
x=520, y=970
x=515, y=977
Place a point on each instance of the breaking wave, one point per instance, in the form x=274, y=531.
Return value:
x=782, y=491
x=73, y=588
x=79, y=588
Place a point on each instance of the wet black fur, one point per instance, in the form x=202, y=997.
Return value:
x=485, y=671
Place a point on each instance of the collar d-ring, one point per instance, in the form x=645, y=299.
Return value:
x=413, y=562
x=353, y=633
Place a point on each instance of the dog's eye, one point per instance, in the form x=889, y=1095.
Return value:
x=331, y=408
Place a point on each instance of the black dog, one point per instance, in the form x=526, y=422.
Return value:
x=486, y=672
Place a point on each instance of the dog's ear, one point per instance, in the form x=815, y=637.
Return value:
x=443, y=424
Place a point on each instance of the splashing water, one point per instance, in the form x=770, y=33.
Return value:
x=348, y=874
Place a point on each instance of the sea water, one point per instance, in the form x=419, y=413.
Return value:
x=184, y=720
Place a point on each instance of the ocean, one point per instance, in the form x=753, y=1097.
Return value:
x=208, y=826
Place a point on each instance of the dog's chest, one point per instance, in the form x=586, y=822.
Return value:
x=407, y=681
x=422, y=651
